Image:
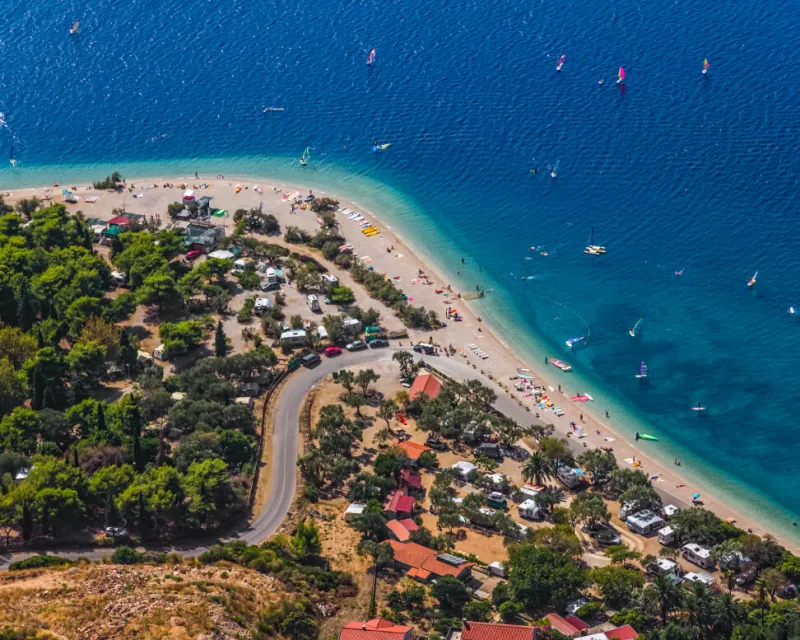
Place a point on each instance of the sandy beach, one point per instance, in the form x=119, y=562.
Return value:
x=388, y=253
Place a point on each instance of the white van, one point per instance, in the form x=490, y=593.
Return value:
x=313, y=302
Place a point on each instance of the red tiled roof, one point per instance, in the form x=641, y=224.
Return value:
x=622, y=633
x=377, y=629
x=119, y=220
x=489, y=631
x=398, y=530
x=412, y=450
x=425, y=384
x=576, y=622
x=412, y=479
x=399, y=503
x=561, y=625
x=409, y=524
x=423, y=575
x=415, y=555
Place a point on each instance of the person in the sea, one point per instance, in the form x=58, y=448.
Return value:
x=545, y=359
x=637, y=435
x=607, y=416
x=677, y=462
x=462, y=261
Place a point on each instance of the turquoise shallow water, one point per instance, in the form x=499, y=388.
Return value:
x=677, y=171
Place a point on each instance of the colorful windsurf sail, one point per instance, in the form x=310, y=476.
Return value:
x=371, y=57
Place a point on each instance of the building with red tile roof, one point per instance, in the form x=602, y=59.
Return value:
x=491, y=631
x=426, y=563
x=397, y=503
x=401, y=529
x=566, y=626
x=410, y=479
x=622, y=633
x=120, y=221
x=426, y=385
x=411, y=450
x=377, y=629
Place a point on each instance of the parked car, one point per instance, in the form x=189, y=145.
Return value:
x=601, y=533
x=427, y=349
x=271, y=286
x=379, y=342
x=356, y=345
x=193, y=254
x=333, y=351
x=116, y=532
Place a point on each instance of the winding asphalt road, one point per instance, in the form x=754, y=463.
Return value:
x=285, y=446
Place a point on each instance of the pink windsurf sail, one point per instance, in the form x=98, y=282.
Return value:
x=371, y=57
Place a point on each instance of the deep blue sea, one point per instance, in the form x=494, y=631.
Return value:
x=676, y=171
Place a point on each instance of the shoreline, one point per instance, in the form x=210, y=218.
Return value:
x=489, y=334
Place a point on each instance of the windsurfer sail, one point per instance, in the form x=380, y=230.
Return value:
x=632, y=330
x=380, y=147
x=573, y=342
x=752, y=281
x=621, y=75
x=306, y=155
x=74, y=28
x=561, y=62
x=554, y=169
x=706, y=65
x=371, y=58
x=593, y=249
x=642, y=370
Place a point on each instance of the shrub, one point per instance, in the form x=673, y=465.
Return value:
x=589, y=610
x=37, y=562
x=126, y=555
x=109, y=182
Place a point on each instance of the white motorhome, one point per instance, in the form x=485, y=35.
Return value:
x=666, y=535
x=644, y=522
x=313, y=302
x=698, y=555
x=569, y=477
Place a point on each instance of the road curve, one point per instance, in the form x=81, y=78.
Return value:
x=285, y=446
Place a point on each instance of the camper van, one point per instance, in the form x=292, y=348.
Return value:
x=569, y=477
x=529, y=510
x=313, y=302
x=698, y=555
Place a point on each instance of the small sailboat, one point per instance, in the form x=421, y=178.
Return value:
x=752, y=281
x=381, y=147
x=621, y=75
x=593, y=249
x=706, y=65
x=642, y=370
x=74, y=28
x=306, y=155
x=561, y=62
x=699, y=407
x=371, y=58
x=632, y=330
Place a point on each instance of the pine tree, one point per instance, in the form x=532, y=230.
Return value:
x=37, y=397
x=75, y=462
x=100, y=428
x=144, y=520
x=127, y=352
x=27, y=522
x=220, y=341
x=26, y=315
x=136, y=428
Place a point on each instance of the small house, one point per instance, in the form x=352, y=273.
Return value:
x=249, y=389
x=424, y=564
x=398, y=505
x=203, y=236
x=493, y=631
x=247, y=401
x=401, y=530
x=411, y=450
x=411, y=480
x=377, y=629
x=353, y=510
x=645, y=522
x=698, y=555
x=497, y=569
x=424, y=384
x=295, y=338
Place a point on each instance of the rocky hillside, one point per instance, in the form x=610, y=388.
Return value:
x=91, y=602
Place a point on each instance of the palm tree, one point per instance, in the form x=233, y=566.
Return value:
x=548, y=499
x=763, y=590
x=698, y=602
x=661, y=598
x=726, y=614
x=537, y=469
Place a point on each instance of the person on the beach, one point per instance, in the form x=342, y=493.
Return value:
x=581, y=418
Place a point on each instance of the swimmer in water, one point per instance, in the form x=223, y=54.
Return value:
x=601, y=81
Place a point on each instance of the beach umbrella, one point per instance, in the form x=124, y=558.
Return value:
x=696, y=496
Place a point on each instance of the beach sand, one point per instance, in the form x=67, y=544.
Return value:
x=403, y=265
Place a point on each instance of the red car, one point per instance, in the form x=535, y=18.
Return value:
x=333, y=351
x=194, y=253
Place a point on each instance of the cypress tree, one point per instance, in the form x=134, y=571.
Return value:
x=27, y=522
x=220, y=341
x=100, y=429
x=136, y=428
